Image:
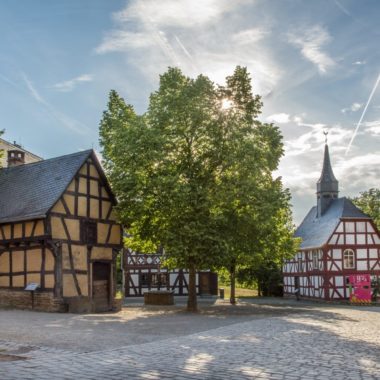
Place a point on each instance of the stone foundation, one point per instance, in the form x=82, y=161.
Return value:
x=21, y=299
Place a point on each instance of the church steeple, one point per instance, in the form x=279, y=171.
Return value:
x=327, y=185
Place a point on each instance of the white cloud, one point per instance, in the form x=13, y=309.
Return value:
x=354, y=107
x=358, y=63
x=358, y=173
x=194, y=36
x=62, y=118
x=311, y=41
x=69, y=85
x=249, y=36
x=313, y=139
x=176, y=13
x=280, y=118
x=372, y=127
x=121, y=40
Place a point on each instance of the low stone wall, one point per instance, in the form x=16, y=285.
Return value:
x=21, y=299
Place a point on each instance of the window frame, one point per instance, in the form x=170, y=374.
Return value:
x=348, y=254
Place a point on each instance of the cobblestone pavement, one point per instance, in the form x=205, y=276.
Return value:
x=319, y=342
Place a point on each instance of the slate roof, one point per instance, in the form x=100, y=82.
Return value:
x=315, y=231
x=29, y=191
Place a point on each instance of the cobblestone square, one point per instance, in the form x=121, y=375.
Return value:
x=268, y=339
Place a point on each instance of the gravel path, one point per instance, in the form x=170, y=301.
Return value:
x=280, y=340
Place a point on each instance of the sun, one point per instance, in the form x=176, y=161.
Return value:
x=226, y=104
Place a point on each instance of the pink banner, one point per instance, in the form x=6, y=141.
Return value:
x=360, y=286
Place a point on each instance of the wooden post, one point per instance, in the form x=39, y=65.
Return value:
x=233, y=284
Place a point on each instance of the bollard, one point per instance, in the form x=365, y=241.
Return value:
x=221, y=293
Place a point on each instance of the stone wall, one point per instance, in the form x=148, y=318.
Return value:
x=21, y=299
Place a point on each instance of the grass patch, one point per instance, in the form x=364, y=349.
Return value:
x=239, y=292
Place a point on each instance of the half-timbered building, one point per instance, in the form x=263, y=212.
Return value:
x=58, y=231
x=145, y=272
x=14, y=154
x=337, y=241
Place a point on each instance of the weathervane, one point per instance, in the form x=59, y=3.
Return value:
x=325, y=133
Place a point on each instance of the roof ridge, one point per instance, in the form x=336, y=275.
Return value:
x=32, y=189
x=20, y=147
x=84, y=152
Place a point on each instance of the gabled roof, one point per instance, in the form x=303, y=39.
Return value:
x=315, y=231
x=29, y=191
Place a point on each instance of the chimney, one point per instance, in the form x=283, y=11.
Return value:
x=15, y=157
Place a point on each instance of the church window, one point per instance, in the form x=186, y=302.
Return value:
x=349, y=259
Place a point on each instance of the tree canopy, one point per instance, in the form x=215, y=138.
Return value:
x=194, y=173
x=369, y=202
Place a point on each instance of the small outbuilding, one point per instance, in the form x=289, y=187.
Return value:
x=58, y=235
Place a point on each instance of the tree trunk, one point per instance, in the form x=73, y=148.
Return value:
x=192, y=297
x=232, y=279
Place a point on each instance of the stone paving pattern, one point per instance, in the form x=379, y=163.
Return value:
x=319, y=342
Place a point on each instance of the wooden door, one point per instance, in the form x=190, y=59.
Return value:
x=101, y=274
x=208, y=283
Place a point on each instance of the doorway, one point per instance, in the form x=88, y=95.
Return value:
x=101, y=274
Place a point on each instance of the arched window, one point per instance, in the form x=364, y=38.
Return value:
x=349, y=259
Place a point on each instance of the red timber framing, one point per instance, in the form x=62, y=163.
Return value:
x=322, y=272
x=144, y=272
x=59, y=251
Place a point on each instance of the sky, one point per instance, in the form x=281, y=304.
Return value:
x=316, y=65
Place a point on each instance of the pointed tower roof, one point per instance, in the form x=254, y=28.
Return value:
x=327, y=182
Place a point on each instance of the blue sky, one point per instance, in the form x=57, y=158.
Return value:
x=315, y=64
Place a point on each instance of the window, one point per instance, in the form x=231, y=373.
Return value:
x=154, y=279
x=348, y=259
x=159, y=279
x=89, y=231
x=300, y=269
x=315, y=257
x=144, y=279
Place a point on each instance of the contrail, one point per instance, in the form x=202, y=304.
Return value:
x=364, y=111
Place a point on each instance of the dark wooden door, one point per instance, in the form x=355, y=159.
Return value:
x=101, y=286
x=208, y=283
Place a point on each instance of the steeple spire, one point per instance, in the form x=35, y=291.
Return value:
x=327, y=185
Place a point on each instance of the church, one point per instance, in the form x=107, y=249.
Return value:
x=338, y=243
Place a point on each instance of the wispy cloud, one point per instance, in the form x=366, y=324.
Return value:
x=32, y=90
x=62, y=118
x=193, y=36
x=354, y=107
x=185, y=13
x=313, y=139
x=249, y=36
x=69, y=85
x=342, y=8
x=280, y=118
x=311, y=41
x=359, y=63
x=372, y=128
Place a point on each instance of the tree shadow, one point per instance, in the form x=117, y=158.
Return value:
x=244, y=341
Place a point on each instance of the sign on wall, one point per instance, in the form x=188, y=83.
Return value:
x=360, y=288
